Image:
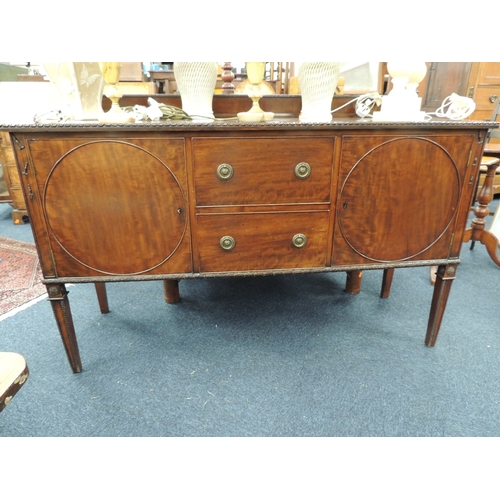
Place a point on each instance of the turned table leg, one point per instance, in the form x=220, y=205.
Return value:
x=102, y=297
x=58, y=297
x=353, y=282
x=444, y=279
x=477, y=231
x=171, y=291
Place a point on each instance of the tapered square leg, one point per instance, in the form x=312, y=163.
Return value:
x=386, y=283
x=102, y=297
x=444, y=279
x=58, y=297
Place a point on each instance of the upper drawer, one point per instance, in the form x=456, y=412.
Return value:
x=485, y=98
x=262, y=171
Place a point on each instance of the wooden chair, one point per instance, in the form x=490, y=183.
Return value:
x=493, y=148
x=279, y=74
x=487, y=161
x=492, y=152
x=491, y=157
x=13, y=374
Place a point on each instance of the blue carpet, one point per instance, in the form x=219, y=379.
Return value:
x=265, y=356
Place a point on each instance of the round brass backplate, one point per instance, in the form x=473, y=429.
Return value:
x=225, y=171
x=302, y=170
x=227, y=243
x=299, y=240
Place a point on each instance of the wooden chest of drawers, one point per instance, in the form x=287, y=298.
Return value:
x=11, y=177
x=175, y=201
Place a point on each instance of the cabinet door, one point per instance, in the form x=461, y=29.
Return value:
x=111, y=207
x=444, y=78
x=398, y=198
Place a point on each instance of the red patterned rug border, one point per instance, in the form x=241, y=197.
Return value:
x=18, y=294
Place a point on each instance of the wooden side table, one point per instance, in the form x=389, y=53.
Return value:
x=13, y=374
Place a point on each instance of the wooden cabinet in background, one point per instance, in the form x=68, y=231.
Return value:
x=11, y=177
x=478, y=80
x=442, y=79
x=484, y=89
x=4, y=190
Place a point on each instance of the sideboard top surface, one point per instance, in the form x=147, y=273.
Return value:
x=224, y=124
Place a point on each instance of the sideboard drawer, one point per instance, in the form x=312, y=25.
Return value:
x=262, y=171
x=246, y=242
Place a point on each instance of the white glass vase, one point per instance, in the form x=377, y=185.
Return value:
x=196, y=84
x=317, y=82
x=80, y=85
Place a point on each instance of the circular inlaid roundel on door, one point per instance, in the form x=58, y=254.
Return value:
x=398, y=198
x=114, y=207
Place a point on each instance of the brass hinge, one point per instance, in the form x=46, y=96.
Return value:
x=53, y=261
x=19, y=144
x=451, y=243
x=32, y=165
x=471, y=92
x=469, y=159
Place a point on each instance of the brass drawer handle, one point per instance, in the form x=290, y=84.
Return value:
x=493, y=98
x=227, y=243
x=299, y=240
x=303, y=170
x=225, y=171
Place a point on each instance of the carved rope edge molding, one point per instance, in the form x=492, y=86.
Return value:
x=173, y=124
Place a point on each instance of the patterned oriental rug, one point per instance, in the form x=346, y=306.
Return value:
x=20, y=276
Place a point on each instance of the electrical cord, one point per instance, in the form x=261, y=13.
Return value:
x=160, y=111
x=455, y=107
x=364, y=104
x=54, y=115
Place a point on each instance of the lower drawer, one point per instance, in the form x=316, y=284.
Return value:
x=257, y=241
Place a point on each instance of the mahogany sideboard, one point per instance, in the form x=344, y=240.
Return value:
x=176, y=200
